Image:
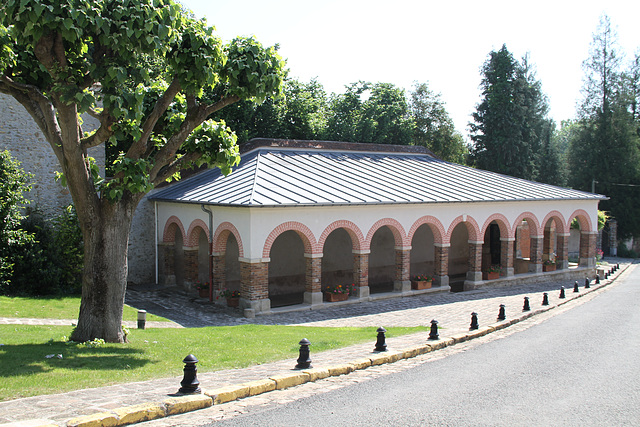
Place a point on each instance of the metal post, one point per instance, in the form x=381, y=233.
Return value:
x=380, y=342
x=575, y=287
x=502, y=314
x=545, y=299
x=587, y=283
x=526, y=306
x=304, y=362
x=433, y=334
x=474, y=321
x=561, y=292
x=190, y=383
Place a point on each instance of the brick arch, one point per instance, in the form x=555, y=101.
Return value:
x=472, y=228
x=583, y=217
x=168, y=237
x=434, y=224
x=528, y=216
x=503, y=223
x=396, y=228
x=193, y=236
x=308, y=239
x=560, y=224
x=222, y=235
x=357, y=238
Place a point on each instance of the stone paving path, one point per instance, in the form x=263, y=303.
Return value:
x=453, y=312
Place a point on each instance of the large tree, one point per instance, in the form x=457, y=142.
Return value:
x=509, y=122
x=151, y=75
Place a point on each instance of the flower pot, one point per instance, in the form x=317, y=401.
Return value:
x=233, y=302
x=421, y=284
x=204, y=293
x=335, y=297
x=551, y=267
x=490, y=275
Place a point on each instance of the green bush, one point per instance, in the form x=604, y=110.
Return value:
x=623, y=252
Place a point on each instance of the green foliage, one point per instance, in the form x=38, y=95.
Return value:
x=624, y=252
x=13, y=183
x=51, y=263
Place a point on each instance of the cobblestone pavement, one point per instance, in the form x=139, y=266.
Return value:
x=453, y=312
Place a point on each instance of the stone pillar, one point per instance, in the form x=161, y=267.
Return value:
x=190, y=267
x=219, y=272
x=562, y=251
x=535, y=254
x=506, y=256
x=168, y=271
x=313, y=273
x=402, y=282
x=441, y=258
x=474, y=274
x=588, y=249
x=613, y=237
x=361, y=273
x=254, y=286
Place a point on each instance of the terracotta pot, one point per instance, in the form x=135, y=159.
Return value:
x=233, y=302
x=548, y=267
x=421, y=284
x=204, y=293
x=335, y=297
x=491, y=275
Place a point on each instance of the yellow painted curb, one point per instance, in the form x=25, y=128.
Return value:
x=461, y=337
x=182, y=404
x=363, y=363
x=138, y=413
x=286, y=381
x=102, y=419
x=318, y=373
x=260, y=386
x=228, y=393
x=379, y=359
x=343, y=369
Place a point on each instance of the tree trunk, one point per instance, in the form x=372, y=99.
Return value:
x=104, y=280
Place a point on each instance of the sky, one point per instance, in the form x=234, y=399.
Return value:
x=443, y=43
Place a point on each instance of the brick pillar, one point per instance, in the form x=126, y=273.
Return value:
x=402, y=282
x=613, y=237
x=562, y=251
x=474, y=274
x=219, y=273
x=506, y=257
x=313, y=274
x=441, y=258
x=535, y=254
x=588, y=249
x=190, y=267
x=254, y=285
x=361, y=273
x=168, y=269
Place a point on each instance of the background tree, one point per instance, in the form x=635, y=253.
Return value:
x=509, y=123
x=62, y=58
x=433, y=127
x=606, y=147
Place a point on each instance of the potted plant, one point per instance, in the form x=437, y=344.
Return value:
x=334, y=293
x=233, y=297
x=203, y=289
x=549, y=265
x=491, y=273
x=421, y=281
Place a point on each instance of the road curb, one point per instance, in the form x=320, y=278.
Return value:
x=174, y=405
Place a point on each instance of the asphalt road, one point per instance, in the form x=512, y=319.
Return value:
x=580, y=367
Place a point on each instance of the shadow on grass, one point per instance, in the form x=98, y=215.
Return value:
x=27, y=359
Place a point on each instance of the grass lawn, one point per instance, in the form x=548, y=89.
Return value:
x=55, y=308
x=152, y=353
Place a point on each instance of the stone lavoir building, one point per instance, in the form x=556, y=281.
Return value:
x=297, y=216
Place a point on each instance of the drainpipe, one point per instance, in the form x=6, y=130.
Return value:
x=210, y=213
x=155, y=214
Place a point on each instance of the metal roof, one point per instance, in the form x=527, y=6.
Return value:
x=332, y=175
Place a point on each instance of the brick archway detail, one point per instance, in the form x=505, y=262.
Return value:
x=222, y=235
x=472, y=228
x=560, y=223
x=167, y=236
x=531, y=219
x=357, y=238
x=584, y=219
x=503, y=223
x=308, y=239
x=193, y=236
x=434, y=224
x=396, y=228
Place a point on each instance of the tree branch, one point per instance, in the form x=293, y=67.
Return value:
x=210, y=109
x=176, y=166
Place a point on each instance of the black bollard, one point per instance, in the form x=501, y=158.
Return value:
x=190, y=383
x=433, y=334
x=587, y=283
x=501, y=314
x=561, y=292
x=381, y=345
x=545, y=299
x=617, y=266
x=575, y=287
x=474, y=321
x=304, y=362
x=597, y=279
x=526, y=306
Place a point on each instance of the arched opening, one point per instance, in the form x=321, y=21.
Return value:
x=423, y=252
x=203, y=257
x=523, y=248
x=458, y=257
x=550, y=245
x=382, y=261
x=232, y=264
x=287, y=270
x=337, y=259
x=178, y=256
x=492, y=248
